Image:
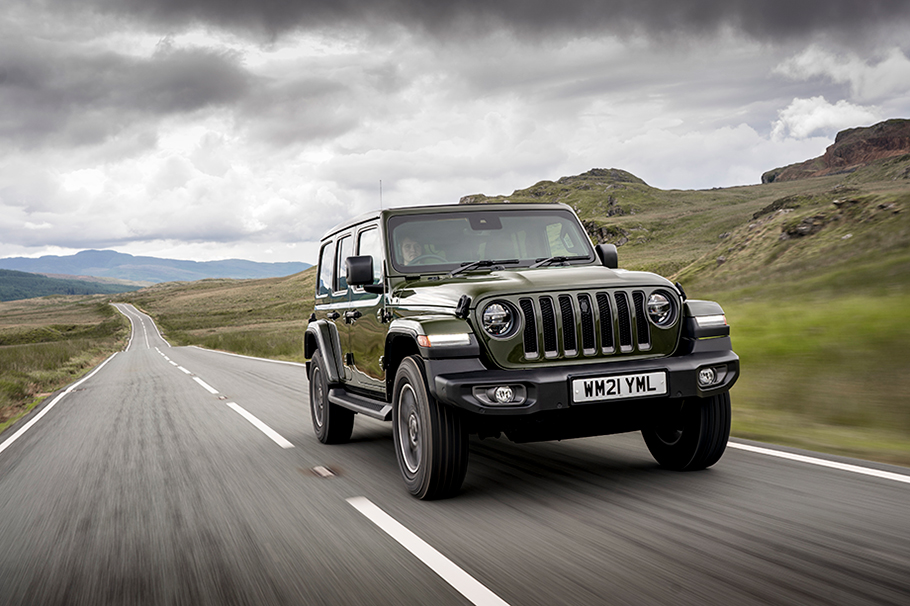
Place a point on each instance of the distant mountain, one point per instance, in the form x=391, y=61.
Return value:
x=111, y=264
x=15, y=285
x=852, y=149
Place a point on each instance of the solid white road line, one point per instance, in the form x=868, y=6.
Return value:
x=47, y=408
x=227, y=353
x=125, y=315
x=271, y=433
x=205, y=385
x=887, y=475
x=461, y=581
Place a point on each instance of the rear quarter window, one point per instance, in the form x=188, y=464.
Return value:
x=341, y=270
x=326, y=262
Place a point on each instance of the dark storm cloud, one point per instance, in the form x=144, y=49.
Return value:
x=53, y=96
x=770, y=19
x=283, y=113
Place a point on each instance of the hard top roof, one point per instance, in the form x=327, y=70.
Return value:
x=441, y=208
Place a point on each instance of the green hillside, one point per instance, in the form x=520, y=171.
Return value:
x=16, y=285
x=752, y=236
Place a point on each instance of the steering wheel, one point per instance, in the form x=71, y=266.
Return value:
x=420, y=260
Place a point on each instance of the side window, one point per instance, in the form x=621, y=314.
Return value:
x=368, y=243
x=344, y=251
x=326, y=262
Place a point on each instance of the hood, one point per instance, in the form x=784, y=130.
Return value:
x=446, y=292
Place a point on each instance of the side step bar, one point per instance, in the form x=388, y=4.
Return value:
x=363, y=405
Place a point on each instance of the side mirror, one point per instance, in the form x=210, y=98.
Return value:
x=359, y=270
x=608, y=255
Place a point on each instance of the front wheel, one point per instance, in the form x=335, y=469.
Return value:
x=333, y=424
x=431, y=443
x=694, y=437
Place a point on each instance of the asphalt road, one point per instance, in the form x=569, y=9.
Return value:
x=147, y=484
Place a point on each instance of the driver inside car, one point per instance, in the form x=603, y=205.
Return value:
x=411, y=249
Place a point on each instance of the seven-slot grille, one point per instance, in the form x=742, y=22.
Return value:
x=587, y=323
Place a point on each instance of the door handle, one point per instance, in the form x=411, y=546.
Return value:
x=350, y=316
x=332, y=315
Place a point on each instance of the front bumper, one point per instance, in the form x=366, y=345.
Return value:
x=453, y=381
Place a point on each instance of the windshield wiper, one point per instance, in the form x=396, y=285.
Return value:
x=558, y=259
x=480, y=263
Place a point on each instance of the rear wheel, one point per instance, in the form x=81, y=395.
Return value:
x=695, y=437
x=333, y=424
x=431, y=443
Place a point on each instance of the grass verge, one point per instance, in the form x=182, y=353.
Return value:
x=825, y=373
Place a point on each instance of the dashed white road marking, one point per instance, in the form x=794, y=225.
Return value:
x=323, y=471
x=867, y=471
x=271, y=433
x=183, y=370
x=206, y=386
x=461, y=581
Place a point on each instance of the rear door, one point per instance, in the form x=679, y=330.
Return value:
x=329, y=300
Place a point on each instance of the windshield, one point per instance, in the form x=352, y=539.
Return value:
x=442, y=242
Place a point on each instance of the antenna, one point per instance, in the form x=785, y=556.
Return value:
x=380, y=194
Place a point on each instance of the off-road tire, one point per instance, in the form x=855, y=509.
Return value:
x=333, y=424
x=431, y=443
x=695, y=438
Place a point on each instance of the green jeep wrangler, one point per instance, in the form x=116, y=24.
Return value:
x=503, y=319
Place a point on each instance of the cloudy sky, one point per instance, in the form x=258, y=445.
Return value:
x=211, y=129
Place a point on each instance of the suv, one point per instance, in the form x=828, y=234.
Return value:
x=504, y=319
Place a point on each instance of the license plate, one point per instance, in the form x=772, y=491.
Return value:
x=597, y=389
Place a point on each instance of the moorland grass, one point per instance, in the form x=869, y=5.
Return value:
x=276, y=342
x=825, y=373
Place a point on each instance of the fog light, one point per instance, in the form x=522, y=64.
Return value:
x=707, y=376
x=503, y=394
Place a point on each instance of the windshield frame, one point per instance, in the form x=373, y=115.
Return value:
x=494, y=216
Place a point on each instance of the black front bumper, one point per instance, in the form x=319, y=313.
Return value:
x=452, y=381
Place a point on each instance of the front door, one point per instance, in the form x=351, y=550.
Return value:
x=366, y=329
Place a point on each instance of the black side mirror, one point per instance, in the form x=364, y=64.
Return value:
x=360, y=270
x=607, y=254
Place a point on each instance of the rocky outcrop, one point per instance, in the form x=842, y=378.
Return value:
x=552, y=191
x=612, y=175
x=611, y=234
x=474, y=199
x=852, y=149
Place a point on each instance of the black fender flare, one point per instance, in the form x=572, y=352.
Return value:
x=323, y=335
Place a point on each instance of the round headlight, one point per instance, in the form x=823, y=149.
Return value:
x=498, y=320
x=660, y=309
